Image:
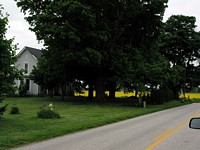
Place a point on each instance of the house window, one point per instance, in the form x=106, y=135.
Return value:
x=27, y=84
x=26, y=68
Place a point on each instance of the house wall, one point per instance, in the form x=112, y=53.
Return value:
x=26, y=57
x=31, y=60
x=34, y=88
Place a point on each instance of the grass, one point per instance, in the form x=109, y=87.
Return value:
x=196, y=100
x=25, y=127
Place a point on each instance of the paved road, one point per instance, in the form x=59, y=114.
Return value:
x=165, y=130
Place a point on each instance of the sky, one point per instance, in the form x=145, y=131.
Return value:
x=19, y=28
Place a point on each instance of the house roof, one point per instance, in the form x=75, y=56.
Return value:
x=36, y=52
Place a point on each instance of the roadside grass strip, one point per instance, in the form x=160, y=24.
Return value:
x=76, y=115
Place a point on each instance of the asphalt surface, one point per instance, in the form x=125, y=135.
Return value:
x=165, y=130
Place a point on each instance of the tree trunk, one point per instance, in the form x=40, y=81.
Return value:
x=136, y=93
x=112, y=90
x=175, y=93
x=63, y=92
x=50, y=93
x=91, y=89
x=112, y=93
x=100, y=95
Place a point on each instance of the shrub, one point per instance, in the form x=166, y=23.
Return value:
x=3, y=109
x=14, y=110
x=22, y=89
x=161, y=96
x=48, y=112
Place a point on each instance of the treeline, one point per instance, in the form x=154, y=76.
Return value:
x=109, y=44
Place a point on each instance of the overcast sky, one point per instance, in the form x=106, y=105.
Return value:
x=19, y=27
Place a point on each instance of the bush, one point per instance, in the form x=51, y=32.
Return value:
x=14, y=110
x=48, y=112
x=3, y=109
x=22, y=89
x=161, y=96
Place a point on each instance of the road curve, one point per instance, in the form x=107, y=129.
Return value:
x=164, y=130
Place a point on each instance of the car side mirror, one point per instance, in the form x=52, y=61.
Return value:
x=195, y=123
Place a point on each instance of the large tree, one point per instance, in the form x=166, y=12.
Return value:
x=8, y=71
x=181, y=46
x=143, y=41
x=96, y=40
x=45, y=75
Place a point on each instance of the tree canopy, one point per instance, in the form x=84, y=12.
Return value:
x=96, y=41
x=8, y=71
x=181, y=46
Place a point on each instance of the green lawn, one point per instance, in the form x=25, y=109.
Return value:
x=25, y=128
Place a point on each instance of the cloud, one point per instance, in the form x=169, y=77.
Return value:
x=18, y=27
x=23, y=36
x=184, y=7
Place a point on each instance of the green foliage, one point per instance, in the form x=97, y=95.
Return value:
x=22, y=89
x=48, y=112
x=14, y=110
x=94, y=41
x=180, y=40
x=160, y=96
x=180, y=44
x=8, y=72
x=45, y=74
x=3, y=109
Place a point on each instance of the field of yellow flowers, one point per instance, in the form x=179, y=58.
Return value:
x=191, y=96
x=117, y=94
x=128, y=94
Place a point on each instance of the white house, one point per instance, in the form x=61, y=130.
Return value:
x=26, y=59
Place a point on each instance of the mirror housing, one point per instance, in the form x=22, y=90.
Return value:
x=195, y=123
